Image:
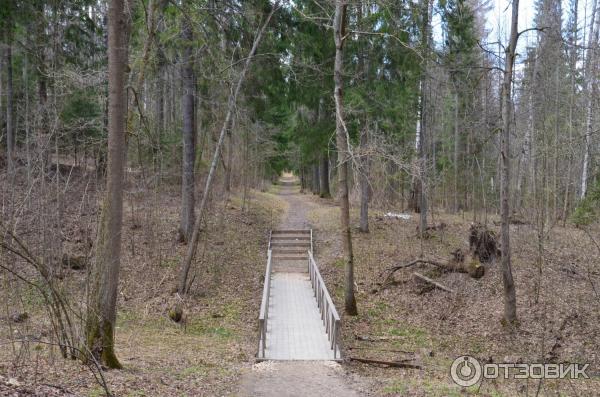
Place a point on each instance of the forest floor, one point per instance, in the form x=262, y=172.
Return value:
x=558, y=304
x=212, y=351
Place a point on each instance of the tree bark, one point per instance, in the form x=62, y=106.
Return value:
x=339, y=33
x=315, y=177
x=189, y=136
x=510, y=302
x=590, y=65
x=10, y=127
x=363, y=177
x=423, y=130
x=365, y=189
x=102, y=311
x=456, y=155
x=324, y=176
x=191, y=251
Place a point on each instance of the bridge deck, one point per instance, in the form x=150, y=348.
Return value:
x=295, y=329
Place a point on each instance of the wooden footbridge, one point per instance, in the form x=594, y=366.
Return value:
x=297, y=320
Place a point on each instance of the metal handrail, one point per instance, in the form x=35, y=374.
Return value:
x=263, y=317
x=329, y=314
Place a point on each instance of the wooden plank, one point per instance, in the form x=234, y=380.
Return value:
x=290, y=258
x=291, y=231
x=290, y=238
x=290, y=244
x=279, y=250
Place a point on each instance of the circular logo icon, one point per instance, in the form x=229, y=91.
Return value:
x=465, y=371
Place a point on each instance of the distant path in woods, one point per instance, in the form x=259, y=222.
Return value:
x=298, y=378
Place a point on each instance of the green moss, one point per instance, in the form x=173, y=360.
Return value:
x=109, y=358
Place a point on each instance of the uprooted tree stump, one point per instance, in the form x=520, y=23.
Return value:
x=483, y=243
x=75, y=262
x=483, y=248
x=459, y=263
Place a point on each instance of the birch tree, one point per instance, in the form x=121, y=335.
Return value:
x=590, y=62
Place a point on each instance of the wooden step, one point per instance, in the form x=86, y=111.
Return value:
x=291, y=231
x=288, y=238
x=290, y=244
x=291, y=258
x=288, y=251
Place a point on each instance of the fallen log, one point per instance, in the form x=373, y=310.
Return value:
x=394, y=364
x=458, y=264
x=430, y=281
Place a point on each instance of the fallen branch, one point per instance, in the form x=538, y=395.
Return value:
x=393, y=364
x=379, y=350
x=377, y=338
x=430, y=281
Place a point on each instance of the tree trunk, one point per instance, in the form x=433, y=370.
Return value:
x=573, y=59
x=456, y=156
x=423, y=119
x=315, y=177
x=339, y=33
x=363, y=172
x=189, y=136
x=365, y=190
x=302, y=179
x=324, y=176
x=191, y=251
x=590, y=66
x=102, y=310
x=228, y=169
x=510, y=302
x=10, y=127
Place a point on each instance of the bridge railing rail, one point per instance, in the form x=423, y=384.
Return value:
x=263, y=316
x=329, y=314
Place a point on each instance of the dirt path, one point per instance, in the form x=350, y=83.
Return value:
x=299, y=378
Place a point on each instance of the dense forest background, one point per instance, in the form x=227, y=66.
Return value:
x=397, y=72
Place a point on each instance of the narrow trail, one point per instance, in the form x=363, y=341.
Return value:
x=298, y=378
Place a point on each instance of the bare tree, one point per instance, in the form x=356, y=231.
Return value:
x=102, y=309
x=344, y=155
x=191, y=251
x=10, y=125
x=510, y=300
